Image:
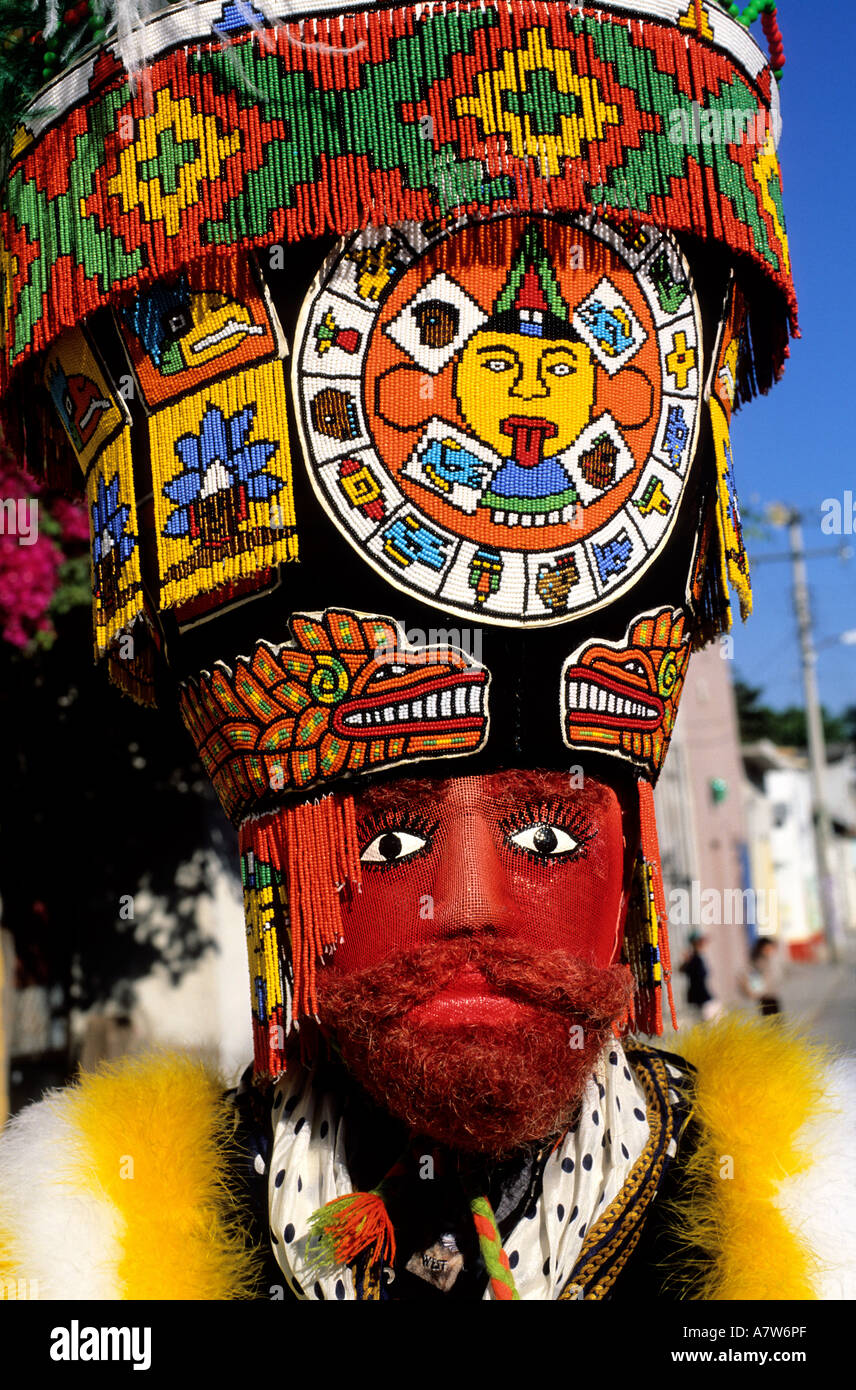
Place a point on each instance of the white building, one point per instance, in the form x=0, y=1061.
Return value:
x=781, y=834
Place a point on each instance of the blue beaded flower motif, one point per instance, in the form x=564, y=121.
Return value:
x=219, y=458
x=109, y=520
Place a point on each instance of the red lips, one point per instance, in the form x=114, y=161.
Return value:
x=467, y=998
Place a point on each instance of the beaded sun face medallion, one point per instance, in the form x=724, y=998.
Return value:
x=501, y=417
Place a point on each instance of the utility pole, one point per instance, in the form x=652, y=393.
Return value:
x=816, y=739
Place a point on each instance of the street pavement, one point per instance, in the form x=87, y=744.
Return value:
x=821, y=999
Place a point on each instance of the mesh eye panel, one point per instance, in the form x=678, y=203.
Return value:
x=519, y=855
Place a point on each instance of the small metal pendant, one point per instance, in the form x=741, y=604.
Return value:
x=439, y=1265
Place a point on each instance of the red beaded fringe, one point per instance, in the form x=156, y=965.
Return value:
x=313, y=848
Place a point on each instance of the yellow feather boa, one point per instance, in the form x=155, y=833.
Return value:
x=151, y=1138
x=758, y=1084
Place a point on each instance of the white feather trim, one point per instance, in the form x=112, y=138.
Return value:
x=820, y=1204
x=65, y=1240
x=51, y=18
x=127, y=18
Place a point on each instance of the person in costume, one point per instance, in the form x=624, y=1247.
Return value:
x=368, y=335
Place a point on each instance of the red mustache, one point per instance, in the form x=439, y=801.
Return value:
x=553, y=980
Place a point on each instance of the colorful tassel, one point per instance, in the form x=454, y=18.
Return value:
x=131, y=665
x=711, y=607
x=647, y=933
x=733, y=559
x=355, y=1225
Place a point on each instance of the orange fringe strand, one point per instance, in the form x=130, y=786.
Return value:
x=296, y=863
x=648, y=937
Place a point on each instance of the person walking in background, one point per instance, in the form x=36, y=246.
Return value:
x=762, y=980
x=695, y=969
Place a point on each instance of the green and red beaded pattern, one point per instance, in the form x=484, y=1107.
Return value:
x=323, y=137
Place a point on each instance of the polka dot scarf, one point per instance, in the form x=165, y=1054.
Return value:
x=581, y=1178
x=307, y=1169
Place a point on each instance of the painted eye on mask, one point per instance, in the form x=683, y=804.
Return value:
x=391, y=846
x=545, y=841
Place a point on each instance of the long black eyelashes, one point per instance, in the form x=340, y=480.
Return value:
x=404, y=818
x=550, y=812
x=554, y=812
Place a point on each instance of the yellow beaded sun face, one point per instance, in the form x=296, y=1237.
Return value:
x=505, y=376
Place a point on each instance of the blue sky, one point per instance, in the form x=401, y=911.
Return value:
x=798, y=444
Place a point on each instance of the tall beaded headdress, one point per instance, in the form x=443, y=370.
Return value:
x=395, y=351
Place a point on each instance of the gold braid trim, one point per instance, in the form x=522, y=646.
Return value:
x=368, y=1284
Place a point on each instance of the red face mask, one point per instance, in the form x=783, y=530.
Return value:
x=473, y=991
x=520, y=856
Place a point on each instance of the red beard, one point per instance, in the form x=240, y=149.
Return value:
x=476, y=1087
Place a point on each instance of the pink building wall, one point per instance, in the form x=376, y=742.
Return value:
x=708, y=735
